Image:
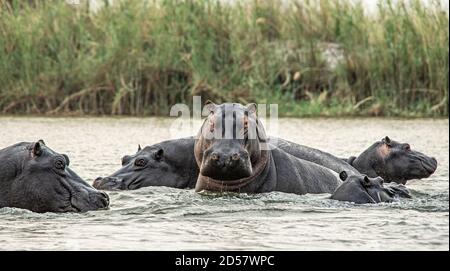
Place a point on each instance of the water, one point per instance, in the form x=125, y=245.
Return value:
x=159, y=218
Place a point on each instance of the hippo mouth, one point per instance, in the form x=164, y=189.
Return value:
x=391, y=192
x=224, y=174
x=210, y=184
x=70, y=207
x=430, y=167
x=95, y=201
x=370, y=197
x=397, y=190
x=135, y=184
x=367, y=193
x=73, y=206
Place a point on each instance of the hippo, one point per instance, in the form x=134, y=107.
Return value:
x=170, y=163
x=361, y=189
x=178, y=166
x=389, y=159
x=394, y=162
x=34, y=177
x=181, y=171
x=233, y=155
x=173, y=163
x=313, y=155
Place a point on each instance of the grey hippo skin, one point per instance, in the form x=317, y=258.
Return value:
x=314, y=155
x=175, y=166
x=170, y=163
x=34, y=177
x=394, y=162
x=233, y=155
x=361, y=189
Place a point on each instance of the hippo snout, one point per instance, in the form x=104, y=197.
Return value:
x=226, y=164
x=85, y=199
x=430, y=165
x=100, y=199
x=229, y=160
x=107, y=183
x=97, y=182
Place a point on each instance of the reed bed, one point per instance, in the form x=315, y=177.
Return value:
x=314, y=58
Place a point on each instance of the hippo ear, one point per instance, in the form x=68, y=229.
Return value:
x=252, y=108
x=343, y=176
x=126, y=159
x=159, y=154
x=210, y=106
x=366, y=180
x=351, y=159
x=41, y=141
x=387, y=140
x=67, y=159
x=139, y=148
x=37, y=149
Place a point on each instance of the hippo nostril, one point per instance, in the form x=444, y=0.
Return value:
x=214, y=156
x=235, y=156
x=104, y=199
x=97, y=182
x=104, y=195
x=434, y=161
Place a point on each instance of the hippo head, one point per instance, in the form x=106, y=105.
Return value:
x=228, y=144
x=157, y=165
x=395, y=162
x=47, y=184
x=361, y=189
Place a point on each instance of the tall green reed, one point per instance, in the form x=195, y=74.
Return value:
x=323, y=57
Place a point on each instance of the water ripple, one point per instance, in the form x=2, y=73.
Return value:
x=161, y=218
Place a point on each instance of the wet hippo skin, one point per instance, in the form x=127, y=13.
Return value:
x=34, y=177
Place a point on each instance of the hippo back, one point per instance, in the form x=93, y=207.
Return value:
x=299, y=176
x=11, y=160
x=314, y=155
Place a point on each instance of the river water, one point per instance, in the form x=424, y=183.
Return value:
x=160, y=218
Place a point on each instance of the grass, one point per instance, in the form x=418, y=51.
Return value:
x=314, y=58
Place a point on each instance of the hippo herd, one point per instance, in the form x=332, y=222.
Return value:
x=230, y=153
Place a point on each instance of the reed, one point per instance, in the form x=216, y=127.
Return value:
x=314, y=58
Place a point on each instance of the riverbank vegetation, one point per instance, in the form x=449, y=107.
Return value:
x=313, y=58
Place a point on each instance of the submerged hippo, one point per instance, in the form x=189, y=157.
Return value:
x=34, y=177
x=176, y=165
x=232, y=153
x=394, y=162
x=173, y=163
x=391, y=160
x=362, y=189
x=170, y=163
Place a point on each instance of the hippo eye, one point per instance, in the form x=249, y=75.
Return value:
x=140, y=162
x=407, y=147
x=59, y=164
